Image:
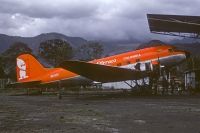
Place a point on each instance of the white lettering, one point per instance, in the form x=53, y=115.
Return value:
x=132, y=56
x=107, y=62
x=54, y=75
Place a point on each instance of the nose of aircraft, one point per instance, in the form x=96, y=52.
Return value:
x=187, y=54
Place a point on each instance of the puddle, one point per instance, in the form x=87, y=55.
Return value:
x=140, y=122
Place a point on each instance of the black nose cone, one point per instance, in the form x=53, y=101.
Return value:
x=187, y=54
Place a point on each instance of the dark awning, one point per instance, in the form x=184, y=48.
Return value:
x=174, y=24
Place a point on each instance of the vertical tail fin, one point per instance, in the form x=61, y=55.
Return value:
x=28, y=68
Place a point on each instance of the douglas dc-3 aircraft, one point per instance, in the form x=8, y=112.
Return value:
x=115, y=68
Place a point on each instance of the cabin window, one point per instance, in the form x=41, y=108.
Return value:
x=170, y=50
x=119, y=64
x=137, y=60
x=137, y=66
x=148, y=66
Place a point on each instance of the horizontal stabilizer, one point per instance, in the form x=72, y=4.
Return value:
x=102, y=73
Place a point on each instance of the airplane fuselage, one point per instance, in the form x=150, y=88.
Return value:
x=164, y=54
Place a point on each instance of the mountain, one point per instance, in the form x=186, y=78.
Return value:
x=110, y=47
x=184, y=40
x=150, y=43
x=119, y=46
x=192, y=46
x=34, y=42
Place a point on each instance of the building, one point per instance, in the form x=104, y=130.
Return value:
x=192, y=79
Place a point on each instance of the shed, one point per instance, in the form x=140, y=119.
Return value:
x=192, y=79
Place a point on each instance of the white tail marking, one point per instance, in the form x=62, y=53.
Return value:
x=22, y=69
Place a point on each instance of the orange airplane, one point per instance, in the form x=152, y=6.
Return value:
x=115, y=68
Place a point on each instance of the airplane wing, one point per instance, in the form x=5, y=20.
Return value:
x=24, y=84
x=102, y=73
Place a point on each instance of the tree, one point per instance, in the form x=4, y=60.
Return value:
x=10, y=55
x=91, y=50
x=193, y=63
x=55, y=51
x=2, y=73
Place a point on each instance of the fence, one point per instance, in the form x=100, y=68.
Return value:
x=3, y=83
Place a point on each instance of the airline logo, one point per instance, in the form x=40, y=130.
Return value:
x=22, y=69
x=132, y=56
x=107, y=62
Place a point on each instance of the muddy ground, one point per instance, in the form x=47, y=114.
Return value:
x=48, y=114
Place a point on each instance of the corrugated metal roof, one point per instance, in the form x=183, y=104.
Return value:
x=174, y=23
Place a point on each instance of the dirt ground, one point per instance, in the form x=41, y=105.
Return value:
x=48, y=114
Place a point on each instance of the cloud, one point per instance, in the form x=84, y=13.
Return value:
x=48, y=8
x=91, y=19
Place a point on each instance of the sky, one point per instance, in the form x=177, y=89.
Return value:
x=90, y=19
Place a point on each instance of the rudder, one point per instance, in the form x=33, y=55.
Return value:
x=28, y=68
